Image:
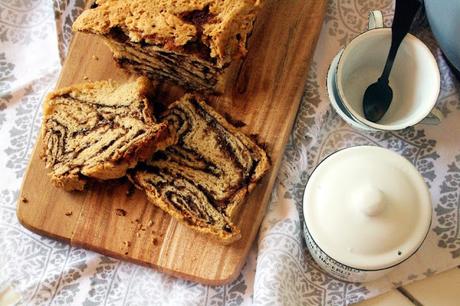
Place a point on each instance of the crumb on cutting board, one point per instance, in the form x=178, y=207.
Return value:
x=68, y=213
x=24, y=200
x=120, y=212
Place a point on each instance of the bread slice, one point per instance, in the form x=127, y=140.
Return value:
x=188, y=42
x=99, y=130
x=204, y=178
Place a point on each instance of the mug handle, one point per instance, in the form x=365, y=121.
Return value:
x=433, y=118
x=375, y=20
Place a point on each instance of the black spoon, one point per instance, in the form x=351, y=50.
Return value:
x=378, y=96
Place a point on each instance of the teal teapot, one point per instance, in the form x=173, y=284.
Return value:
x=444, y=19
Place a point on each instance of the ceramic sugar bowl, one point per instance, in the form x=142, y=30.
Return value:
x=366, y=210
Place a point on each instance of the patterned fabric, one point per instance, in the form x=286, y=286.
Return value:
x=34, y=38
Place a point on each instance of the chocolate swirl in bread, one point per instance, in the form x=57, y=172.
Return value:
x=158, y=63
x=203, y=179
x=98, y=130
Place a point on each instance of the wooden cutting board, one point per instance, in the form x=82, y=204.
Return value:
x=106, y=219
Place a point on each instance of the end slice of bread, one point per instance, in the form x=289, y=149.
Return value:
x=99, y=130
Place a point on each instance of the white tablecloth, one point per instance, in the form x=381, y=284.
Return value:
x=34, y=36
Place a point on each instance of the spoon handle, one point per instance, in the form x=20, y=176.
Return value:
x=405, y=11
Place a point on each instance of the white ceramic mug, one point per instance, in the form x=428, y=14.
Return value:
x=414, y=79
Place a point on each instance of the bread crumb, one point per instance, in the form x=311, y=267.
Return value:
x=94, y=57
x=138, y=235
x=126, y=253
x=120, y=212
x=127, y=243
x=155, y=241
x=85, y=77
x=24, y=200
x=68, y=214
x=150, y=223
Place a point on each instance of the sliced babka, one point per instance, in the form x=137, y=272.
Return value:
x=203, y=179
x=99, y=130
x=188, y=42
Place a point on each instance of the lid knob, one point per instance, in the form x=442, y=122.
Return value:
x=370, y=200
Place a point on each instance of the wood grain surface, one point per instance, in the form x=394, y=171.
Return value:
x=265, y=95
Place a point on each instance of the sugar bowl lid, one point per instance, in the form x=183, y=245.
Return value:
x=367, y=207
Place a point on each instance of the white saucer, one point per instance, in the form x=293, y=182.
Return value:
x=335, y=99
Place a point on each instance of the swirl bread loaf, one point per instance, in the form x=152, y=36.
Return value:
x=204, y=178
x=99, y=130
x=188, y=42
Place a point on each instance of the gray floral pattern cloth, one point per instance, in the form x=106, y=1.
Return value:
x=34, y=38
